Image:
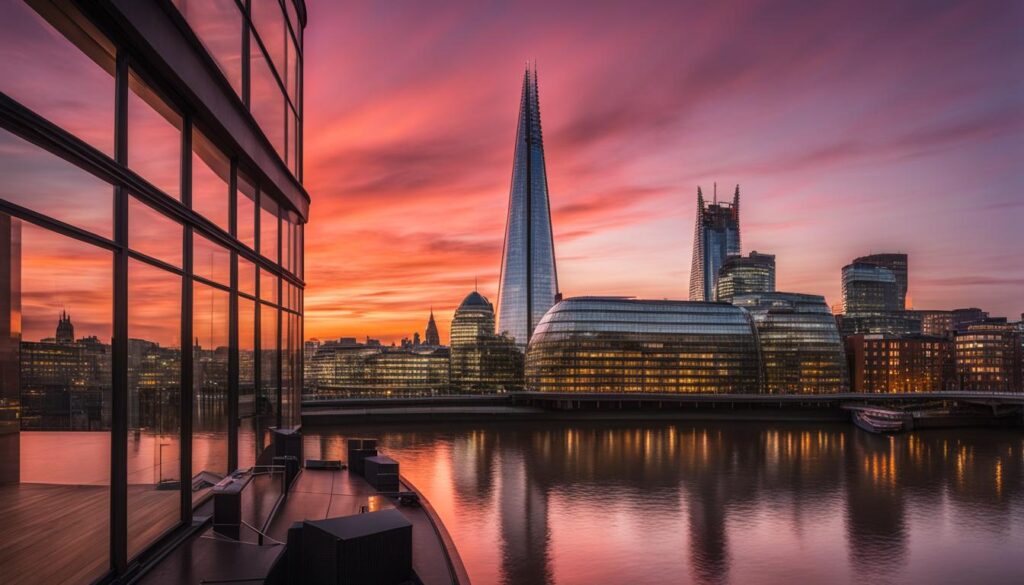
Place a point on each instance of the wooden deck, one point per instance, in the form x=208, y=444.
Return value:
x=54, y=533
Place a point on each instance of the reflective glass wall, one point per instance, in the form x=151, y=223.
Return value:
x=150, y=289
x=269, y=32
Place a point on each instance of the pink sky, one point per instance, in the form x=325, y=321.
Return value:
x=851, y=127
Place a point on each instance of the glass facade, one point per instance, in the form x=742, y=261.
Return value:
x=897, y=264
x=801, y=350
x=716, y=237
x=132, y=323
x=529, y=283
x=869, y=289
x=594, y=344
x=482, y=361
x=341, y=369
x=745, y=274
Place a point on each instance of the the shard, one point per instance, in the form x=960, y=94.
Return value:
x=716, y=236
x=529, y=283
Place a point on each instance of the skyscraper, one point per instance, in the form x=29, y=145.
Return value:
x=529, y=283
x=745, y=274
x=716, y=236
x=895, y=262
x=431, y=337
x=869, y=289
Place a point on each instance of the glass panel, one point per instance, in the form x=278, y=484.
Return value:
x=267, y=405
x=153, y=233
x=293, y=18
x=268, y=286
x=35, y=179
x=246, y=276
x=268, y=228
x=218, y=24
x=246, y=382
x=211, y=308
x=268, y=19
x=56, y=309
x=210, y=261
x=293, y=76
x=246, y=230
x=287, y=237
x=154, y=421
x=60, y=67
x=290, y=158
x=266, y=102
x=211, y=180
x=300, y=251
x=154, y=138
x=287, y=346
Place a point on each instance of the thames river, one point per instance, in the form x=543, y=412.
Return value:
x=715, y=503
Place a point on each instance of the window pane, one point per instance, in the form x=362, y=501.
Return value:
x=56, y=309
x=268, y=286
x=154, y=138
x=210, y=325
x=266, y=102
x=287, y=237
x=218, y=24
x=246, y=382
x=61, y=68
x=153, y=233
x=246, y=276
x=154, y=386
x=269, y=22
x=35, y=179
x=246, y=231
x=267, y=405
x=300, y=252
x=210, y=261
x=268, y=228
x=211, y=179
x=292, y=75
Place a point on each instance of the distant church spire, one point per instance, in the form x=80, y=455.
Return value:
x=432, y=337
x=529, y=281
x=65, y=330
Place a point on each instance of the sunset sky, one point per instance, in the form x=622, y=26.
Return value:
x=851, y=127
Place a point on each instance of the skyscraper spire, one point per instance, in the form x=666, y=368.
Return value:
x=529, y=281
x=716, y=236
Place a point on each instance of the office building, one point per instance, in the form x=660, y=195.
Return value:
x=742, y=275
x=482, y=361
x=883, y=364
x=869, y=289
x=151, y=156
x=897, y=264
x=346, y=369
x=800, y=346
x=716, y=236
x=988, y=358
x=529, y=282
x=608, y=344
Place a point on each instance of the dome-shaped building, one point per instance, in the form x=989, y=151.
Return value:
x=480, y=360
x=619, y=345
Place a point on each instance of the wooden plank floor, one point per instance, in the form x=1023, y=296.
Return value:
x=53, y=533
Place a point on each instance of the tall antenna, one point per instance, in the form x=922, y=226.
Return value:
x=716, y=192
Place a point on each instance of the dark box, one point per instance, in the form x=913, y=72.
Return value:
x=364, y=549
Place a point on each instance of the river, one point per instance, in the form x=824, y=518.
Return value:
x=715, y=503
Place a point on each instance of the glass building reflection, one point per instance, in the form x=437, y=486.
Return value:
x=150, y=268
x=703, y=500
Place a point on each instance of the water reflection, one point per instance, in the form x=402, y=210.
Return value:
x=717, y=503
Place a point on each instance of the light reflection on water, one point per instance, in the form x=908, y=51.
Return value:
x=716, y=503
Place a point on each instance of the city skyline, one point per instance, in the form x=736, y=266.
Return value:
x=901, y=134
